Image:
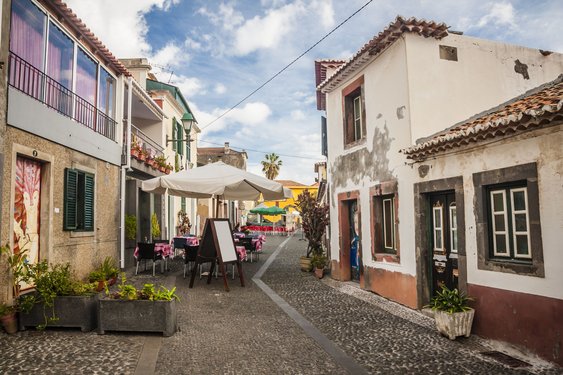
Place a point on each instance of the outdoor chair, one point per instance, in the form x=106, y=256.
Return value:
x=179, y=243
x=146, y=252
x=161, y=241
x=247, y=243
x=190, y=255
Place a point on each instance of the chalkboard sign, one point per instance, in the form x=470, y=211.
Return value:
x=218, y=247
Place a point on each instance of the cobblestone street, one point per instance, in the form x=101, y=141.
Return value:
x=246, y=332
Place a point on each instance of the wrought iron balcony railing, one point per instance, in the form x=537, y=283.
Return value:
x=33, y=82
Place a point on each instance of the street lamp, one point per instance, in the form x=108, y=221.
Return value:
x=187, y=121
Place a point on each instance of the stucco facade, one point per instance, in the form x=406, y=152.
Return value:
x=410, y=91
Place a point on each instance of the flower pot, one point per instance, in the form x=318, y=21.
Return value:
x=305, y=264
x=456, y=324
x=137, y=316
x=71, y=311
x=101, y=285
x=319, y=272
x=112, y=280
x=10, y=323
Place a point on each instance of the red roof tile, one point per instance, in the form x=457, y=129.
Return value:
x=427, y=29
x=535, y=108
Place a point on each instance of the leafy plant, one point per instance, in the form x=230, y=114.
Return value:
x=19, y=268
x=96, y=275
x=319, y=261
x=450, y=301
x=155, y=226
x=148, y=292
x=315, y=220
x=109, y=268
x=7, y=309
x=50, y=283
x=131, y=227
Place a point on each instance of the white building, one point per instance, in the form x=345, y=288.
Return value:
x=413, y=79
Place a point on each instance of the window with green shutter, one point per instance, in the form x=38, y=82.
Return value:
x=179, y=138
x=173, y=133
x=78, y=200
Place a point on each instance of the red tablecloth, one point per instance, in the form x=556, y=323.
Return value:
x=162, y=248
x=241, y=252
x=190, y=241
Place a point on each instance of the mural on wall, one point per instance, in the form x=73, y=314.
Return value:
x=27, y=207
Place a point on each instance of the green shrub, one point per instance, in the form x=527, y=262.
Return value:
x=131, y=227
x=450, y=301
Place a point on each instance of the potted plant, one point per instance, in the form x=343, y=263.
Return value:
x=155, y=226
x=184, y=224
x=160, y=161
x=315, y=219
x=59, y=300
x=168, y=168
x=9, y=318
x=319, y=262
x=452, y=313
x=136, y=149
x=138, y=310
x=131, y=228
x=106, y=273
x=19, y=272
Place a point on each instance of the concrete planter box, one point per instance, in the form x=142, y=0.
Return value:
x=456, y=324
x=137, y=316
x=71, y=311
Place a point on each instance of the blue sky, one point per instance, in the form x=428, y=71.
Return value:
x=218, y=52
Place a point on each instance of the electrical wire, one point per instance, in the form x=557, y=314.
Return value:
x=286, y=67
x=259, y=151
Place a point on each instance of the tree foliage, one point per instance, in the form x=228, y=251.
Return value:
x=271, y=165
x=315, y=219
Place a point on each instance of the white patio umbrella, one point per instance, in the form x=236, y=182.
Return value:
x=217, y=180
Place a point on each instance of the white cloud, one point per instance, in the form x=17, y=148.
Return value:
x=220, y=88
x=325, y=10
x=189, y=86
x=500, y=15
x=226, y=17
x=297, y=115
x=251, y=114
x=192, y=44
x=266, y=32
x=170, y=55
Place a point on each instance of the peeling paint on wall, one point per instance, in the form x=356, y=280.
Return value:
x=362, y=163
x=521, y=69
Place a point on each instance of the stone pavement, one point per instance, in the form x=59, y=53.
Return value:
x=246, y=332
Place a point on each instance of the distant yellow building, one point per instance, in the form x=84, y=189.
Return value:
x=292, y=216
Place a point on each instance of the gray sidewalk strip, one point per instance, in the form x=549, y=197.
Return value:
x=331, y=348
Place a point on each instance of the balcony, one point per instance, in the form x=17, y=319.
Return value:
x=33, y=82
x=147, y=151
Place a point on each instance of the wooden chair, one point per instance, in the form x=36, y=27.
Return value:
x=146, y=252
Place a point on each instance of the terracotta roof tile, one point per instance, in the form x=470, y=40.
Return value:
x=81, y=28
x=427, y=29
x=535, y=108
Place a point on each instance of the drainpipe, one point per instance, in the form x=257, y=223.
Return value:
x=124, y=169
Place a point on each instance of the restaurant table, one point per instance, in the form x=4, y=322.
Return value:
x=160, y=248
x=178, y=241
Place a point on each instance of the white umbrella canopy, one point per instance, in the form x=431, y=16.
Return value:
x=217, y=180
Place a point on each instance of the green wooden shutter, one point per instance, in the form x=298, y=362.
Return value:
x=179, y=137
x=70, y=199
x=88, y=202
x=173, y=133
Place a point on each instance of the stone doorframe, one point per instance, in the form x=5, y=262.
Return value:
x=422, y=234
x=344, y=240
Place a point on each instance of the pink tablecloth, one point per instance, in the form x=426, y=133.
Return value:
x=190, y=241
x=162, y=248
x=241, y=252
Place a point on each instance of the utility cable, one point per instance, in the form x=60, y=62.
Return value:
x=286, y=67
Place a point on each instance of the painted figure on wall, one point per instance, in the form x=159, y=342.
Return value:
x=27, y=207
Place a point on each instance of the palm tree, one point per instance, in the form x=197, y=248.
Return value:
x=271, y=166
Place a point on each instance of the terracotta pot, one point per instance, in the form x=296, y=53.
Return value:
x=10, y=323
x=101, y=286
x=112, y=281
x=319, y=272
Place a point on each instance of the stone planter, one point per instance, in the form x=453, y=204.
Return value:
x=305, y=263
x=137, y=316
x=456, y=324
x=71, y=311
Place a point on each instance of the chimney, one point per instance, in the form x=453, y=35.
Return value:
x=139, y=69
x=227, y=147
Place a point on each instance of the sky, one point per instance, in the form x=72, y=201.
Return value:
x=218, y=52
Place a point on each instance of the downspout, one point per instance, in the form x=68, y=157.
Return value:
x=124, y=169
